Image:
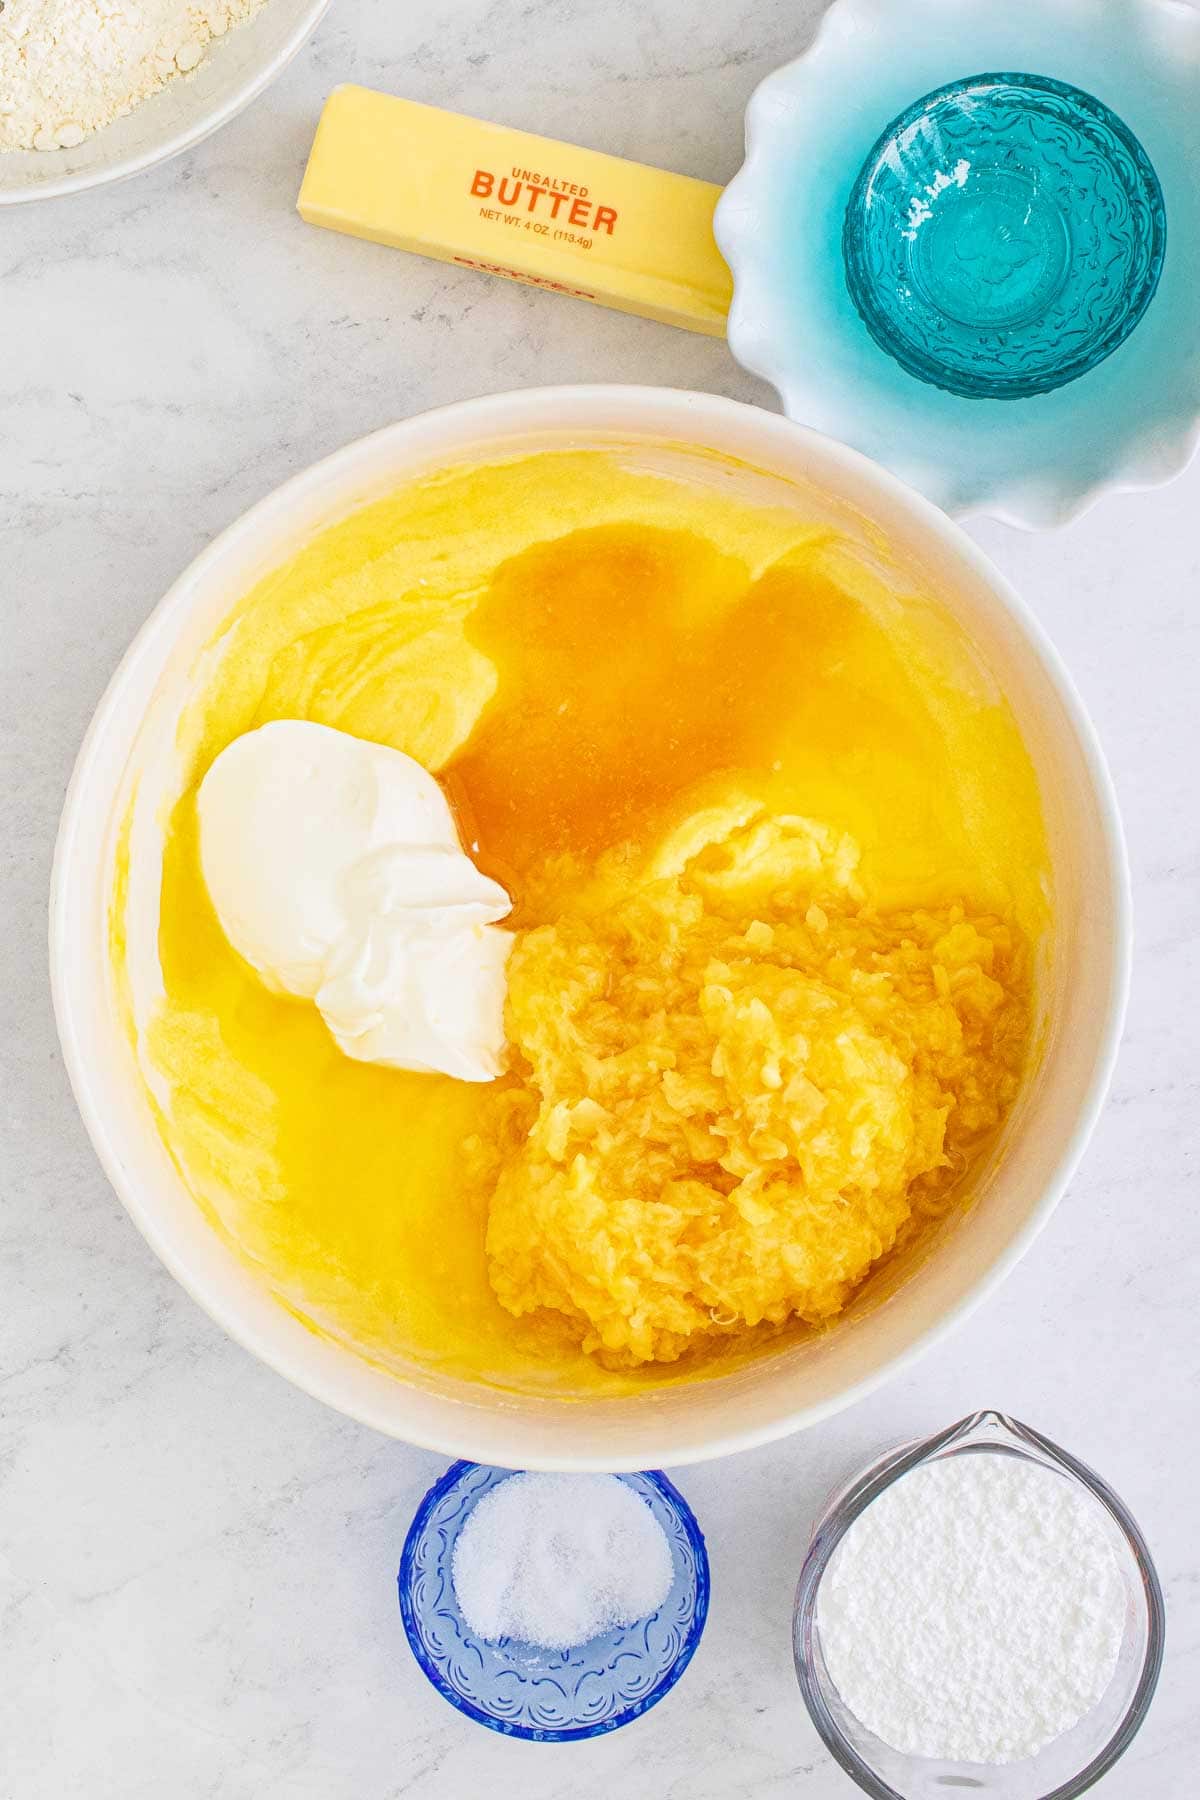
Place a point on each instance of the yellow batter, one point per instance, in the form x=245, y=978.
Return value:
x=776, y=853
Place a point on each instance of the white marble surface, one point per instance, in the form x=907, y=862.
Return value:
x=197, y=1562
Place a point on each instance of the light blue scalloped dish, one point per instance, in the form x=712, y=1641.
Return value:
x=1123, y=413
x=550, y=1696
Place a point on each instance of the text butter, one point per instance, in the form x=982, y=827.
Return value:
x=575, y=221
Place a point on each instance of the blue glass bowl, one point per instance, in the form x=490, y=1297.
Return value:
x=550, y=1696
x=1004, y=235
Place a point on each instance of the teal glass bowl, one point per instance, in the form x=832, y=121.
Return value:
x=1093, y=408
x=1004, y=235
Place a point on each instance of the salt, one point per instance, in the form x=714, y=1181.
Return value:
x=555, y=1560
x=974, y=1611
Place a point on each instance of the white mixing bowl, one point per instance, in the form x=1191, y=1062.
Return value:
x=1084, y=984
x=235, y=70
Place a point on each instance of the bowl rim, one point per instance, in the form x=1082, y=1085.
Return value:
x=989, y=1432
x=446, y=1483
x=188, y=136
x=284, y=1343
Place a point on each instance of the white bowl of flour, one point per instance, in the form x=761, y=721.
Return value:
x=92, y=91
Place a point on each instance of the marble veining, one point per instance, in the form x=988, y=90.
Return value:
x=197, y=1573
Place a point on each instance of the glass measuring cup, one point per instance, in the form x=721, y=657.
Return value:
x=1071, y=1763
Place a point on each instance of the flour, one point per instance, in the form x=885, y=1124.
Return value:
x=974, y=1611
x=70, y=67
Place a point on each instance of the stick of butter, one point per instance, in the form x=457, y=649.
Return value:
x=576, y=221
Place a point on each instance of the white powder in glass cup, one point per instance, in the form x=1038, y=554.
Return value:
x=974, y=1611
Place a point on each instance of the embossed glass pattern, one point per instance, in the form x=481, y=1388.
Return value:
x=548, y=1695
x=1004, y=235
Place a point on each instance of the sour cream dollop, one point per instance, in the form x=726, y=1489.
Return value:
x=336, y=871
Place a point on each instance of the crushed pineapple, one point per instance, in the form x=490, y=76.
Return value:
x=735, y=1083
